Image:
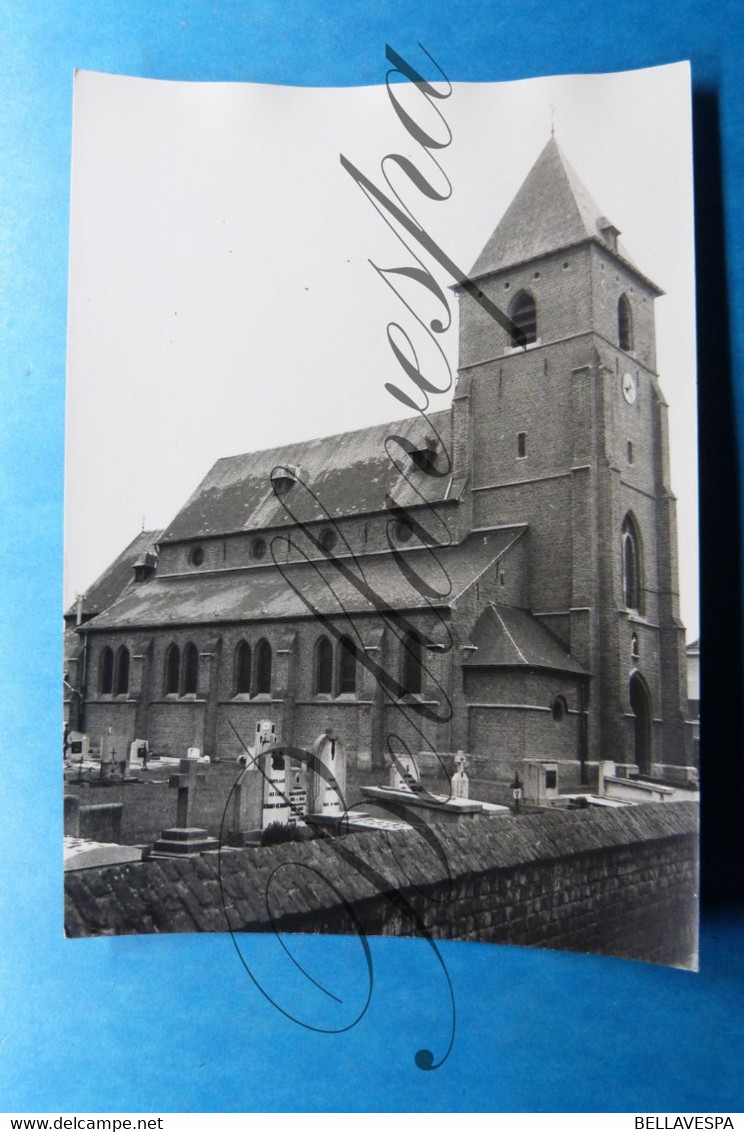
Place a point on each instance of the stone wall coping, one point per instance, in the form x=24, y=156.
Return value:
x=187, y=895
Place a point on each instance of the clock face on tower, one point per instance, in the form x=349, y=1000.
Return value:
x=629, y=387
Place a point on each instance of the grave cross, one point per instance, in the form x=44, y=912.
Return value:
x=186, y=781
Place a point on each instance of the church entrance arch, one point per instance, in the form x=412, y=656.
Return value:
x=640, y=704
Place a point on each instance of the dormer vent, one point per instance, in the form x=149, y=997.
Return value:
x=425, y=458
x=609, y=232
x=145, y=567
x=283, y=479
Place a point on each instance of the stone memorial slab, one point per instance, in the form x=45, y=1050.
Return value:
x=276, y=808
x=328, y=787
x=404, y=773
x=139, y=754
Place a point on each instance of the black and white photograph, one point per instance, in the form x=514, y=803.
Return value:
x=380, y=578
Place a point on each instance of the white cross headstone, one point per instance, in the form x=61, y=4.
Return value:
x=459, y=781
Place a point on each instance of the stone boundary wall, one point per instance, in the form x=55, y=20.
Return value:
x=615, y=882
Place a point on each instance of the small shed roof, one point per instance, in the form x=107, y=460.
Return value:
x=512, y=638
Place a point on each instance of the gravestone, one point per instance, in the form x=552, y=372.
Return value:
x=139, y=753
x=540, y=781
x=114, y=755
x=185, y=782
x=276, y=809
x=404, y=773
x=328, y=790
x=297, y=786
x=183, y=839
x=77, y=747
x=459, y=782
x=249, y=793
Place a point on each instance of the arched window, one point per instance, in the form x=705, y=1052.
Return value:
x=190, y=670
x=411, y=667
x=323, y=667
x=106, y=673
x=172, y=670
x=121, y=686
x=347, y=661
x=632, y=566
x=263, y=668
x=523, y=313
x=558, y=709
x=624, y=324
x=243, y=668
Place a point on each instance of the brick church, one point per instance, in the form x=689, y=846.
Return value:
x=499, y=578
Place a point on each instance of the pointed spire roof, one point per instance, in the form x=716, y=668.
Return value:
x=553, y=209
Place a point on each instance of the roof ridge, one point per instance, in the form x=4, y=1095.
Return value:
x=332, y=436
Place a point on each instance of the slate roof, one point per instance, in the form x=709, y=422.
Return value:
x=270, y=592
x=513, y=638
x=552, y=210
x=350, y=473
x=116, y=578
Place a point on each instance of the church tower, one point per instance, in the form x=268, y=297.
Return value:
x=569, y=436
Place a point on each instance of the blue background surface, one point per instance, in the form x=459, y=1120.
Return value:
x=173, y=1023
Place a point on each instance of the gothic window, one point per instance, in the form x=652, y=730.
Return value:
x=263, y=668
x=347, y=666
x=632, y=566
x=624, y=324
x=172, y=670
x=190, y=670
x=242, y=668
x=121, y=684
x=523, y=313
x=323, y=667
x=411, y=666
x=634, y=650
x=106, y=673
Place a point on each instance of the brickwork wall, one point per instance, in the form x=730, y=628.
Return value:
x=616, y=882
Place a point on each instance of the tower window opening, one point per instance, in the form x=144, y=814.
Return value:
x=632, y=571
x=523, y=313
x=521, y=445
x=624, y=324
x=634, y=650
x=630, y=451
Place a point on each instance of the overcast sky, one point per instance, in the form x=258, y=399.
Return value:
x=221, y=294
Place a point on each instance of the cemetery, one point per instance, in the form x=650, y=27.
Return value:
x=191, y=845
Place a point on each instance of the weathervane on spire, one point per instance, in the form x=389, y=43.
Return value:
x=552, y=120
